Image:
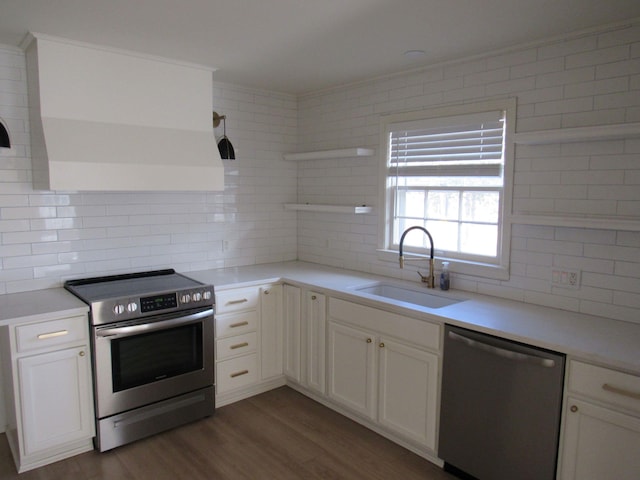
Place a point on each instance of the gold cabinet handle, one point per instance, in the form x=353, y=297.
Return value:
x=369, y=340
x=237, y=374
x=574, y=408
x=239, y=345
x=381, y=344
x=236, y=302
x=266, y=292
x=621, y=391
x=239, y=324
x=313, y=297
x=81, y=353
x=60, y=333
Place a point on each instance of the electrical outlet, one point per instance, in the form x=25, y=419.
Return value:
x=565, y=278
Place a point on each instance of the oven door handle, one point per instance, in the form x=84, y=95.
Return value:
x=131, y=330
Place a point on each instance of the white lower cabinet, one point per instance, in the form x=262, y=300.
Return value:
x=49, y=391
x=292, y=332
x=314, y=333
x=305, y=337
x=408, y=391
x=601, y=435
x=385, y=373
x=55, y=391
x=271, y=334
x=352, y=369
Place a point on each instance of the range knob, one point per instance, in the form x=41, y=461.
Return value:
x=206, y=295
x=197, y=296
x=185, y=298
x=118, y=309
x=132, y=307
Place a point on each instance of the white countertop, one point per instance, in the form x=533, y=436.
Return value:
x=595, y=339
x=39, y=305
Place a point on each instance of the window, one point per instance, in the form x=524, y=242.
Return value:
x=447, y=171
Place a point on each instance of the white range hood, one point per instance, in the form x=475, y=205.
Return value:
x=106, y=119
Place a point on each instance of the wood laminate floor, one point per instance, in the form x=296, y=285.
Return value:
x=279, y=435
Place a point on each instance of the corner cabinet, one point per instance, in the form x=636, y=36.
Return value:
x=48, y=386
x=385, y=368
x=601, y=435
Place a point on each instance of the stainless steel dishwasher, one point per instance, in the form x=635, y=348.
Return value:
x=500, y=407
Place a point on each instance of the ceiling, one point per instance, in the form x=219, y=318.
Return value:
x=299, y=46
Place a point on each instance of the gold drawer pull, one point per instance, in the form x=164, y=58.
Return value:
x=237, y=374
x=313, y=297
x=239, y=345
x=60, y=333
x=621, y=391
x=239, y=324
x=236, y=302
x=369, y=340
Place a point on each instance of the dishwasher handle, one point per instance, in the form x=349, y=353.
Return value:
x=503, y=352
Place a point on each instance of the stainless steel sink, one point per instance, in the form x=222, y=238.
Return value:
x=408, y=295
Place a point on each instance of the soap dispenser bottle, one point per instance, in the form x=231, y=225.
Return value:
x=444, y=276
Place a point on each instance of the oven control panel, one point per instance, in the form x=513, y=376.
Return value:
x=119, y=309
x=158, y=302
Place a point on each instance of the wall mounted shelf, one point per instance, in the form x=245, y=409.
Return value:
x=309, y=207
x=628, y=225
x=579, y=134
x=328, y=154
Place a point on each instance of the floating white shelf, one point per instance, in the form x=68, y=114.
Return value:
x=579, y=134
x=327, y=154
x=308, y=207
x=628, y=225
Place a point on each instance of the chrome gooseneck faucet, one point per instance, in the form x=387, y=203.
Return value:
x=430, y=279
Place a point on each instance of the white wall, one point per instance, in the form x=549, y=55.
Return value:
x=46, y=237
x=590, y=79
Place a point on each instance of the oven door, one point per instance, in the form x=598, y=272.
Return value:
x=140, y=362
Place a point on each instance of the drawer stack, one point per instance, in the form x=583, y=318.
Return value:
x=236, y=351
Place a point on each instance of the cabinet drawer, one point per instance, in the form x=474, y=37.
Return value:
x=52, y=333
x=237, y=299
x=611, y=386
x=237, y=345
x=236, y=373
x=236, y=323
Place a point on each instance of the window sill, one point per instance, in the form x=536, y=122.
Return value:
x=463, y=267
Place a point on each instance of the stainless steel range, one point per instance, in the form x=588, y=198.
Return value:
x=152, y=352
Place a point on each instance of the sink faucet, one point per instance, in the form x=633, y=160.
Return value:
x=430, y=279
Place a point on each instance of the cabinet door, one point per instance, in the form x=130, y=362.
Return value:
x=271, y=324
x=599, y=443
x=352, y=377
x=56, y=398
x=315, y=333
x=292, y=323
x=408, y=391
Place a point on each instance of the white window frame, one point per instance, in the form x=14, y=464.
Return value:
x=387, y=252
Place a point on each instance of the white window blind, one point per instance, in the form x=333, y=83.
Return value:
x=452, y=146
